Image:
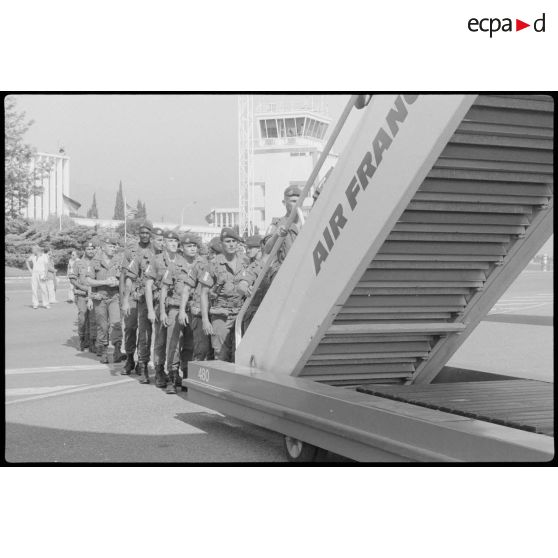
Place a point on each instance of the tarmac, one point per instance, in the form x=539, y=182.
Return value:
x=516, y=338
x=62, y=405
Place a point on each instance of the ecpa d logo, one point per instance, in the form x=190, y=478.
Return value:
x=493, y=25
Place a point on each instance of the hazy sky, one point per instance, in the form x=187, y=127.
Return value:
x=168, y=150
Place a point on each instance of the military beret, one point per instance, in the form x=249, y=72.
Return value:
x=89, y=244
x=215, y=245
x=110, y=238
x=145, y=225
x=254, y=241
x=190, y=238
x=171, y=235
x=292, y=191
x=158, y=232
x=229, y=233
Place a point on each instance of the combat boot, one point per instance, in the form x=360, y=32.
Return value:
x=104, y=354
x=117, y=355
x=129, y=366
x=160, y=376
x=99, y=351
x=93, y=346
x=83, y=345
x=144, y=372
x=171, y=387
x=178, y=380
x=184, y=376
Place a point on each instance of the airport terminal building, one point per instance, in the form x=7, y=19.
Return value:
x=54, y=200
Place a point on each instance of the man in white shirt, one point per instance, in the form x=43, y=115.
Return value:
x=37, y=264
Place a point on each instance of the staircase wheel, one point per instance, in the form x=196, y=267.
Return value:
x=298, y=451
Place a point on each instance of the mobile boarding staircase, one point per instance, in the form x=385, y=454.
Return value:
x=436, y=205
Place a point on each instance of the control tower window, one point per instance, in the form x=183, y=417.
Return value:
x=307, y=127
x=313, y=129
x=271, y=126
x=291, y=129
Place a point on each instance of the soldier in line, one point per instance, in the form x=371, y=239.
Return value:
x=179, y=341
x=225, y=281
x=278, y=228
x=190, y=306
x=153, y=277
x=103, y=279
x=256, y=266
x=254, y=248
x=215, y=247
x=77, y=274
x=129, y=303
x=135, y=288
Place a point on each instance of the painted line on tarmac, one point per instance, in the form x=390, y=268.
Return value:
x=515, y=308
x=75, y=390
x=47, y=369
x=13, y=392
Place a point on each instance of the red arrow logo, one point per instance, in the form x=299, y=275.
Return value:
x=519, y=25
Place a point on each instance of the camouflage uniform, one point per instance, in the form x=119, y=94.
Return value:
x=106, y=300
x=292, y=233
x=155, y=272
x=202, y=341
x=179, y=341
x=131, y=320
x=255, y=268
x=87, y=326
x=136, y=272
x=225, y=301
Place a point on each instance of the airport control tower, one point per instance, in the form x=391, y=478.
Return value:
x=280, y=140
x=289, y=136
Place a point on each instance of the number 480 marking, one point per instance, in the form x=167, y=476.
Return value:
x=203, y=374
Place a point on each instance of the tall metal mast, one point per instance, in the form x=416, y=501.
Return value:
x=246, y=163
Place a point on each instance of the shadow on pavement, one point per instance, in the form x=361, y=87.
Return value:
x=231, y=428
x=218, y=443
x=73, y=342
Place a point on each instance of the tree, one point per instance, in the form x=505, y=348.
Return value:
x=92, y=213
x=141, y=214
x=23, y=172
x=144, y=211
x=119, y=205
x=19, y=240
x=17, y=226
